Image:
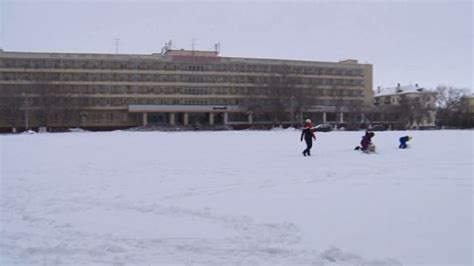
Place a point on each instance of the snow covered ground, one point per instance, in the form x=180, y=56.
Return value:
x=235, y=198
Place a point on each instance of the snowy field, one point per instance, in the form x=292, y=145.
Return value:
x=235, y=198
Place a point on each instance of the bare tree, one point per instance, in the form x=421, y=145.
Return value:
x=47, y=105
x=71, y=108
x=338, y=101
x=452, y=109
x=266, y=102
x=405, y=111
x=255, y=103
x=279, y=96
x=356, y=111
x=282, y=99
x=10, y=107
x=449, y=97
x=54, y=109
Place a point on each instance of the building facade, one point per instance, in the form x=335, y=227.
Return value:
x=175, y=87
x=403, y=107
x=468, y=104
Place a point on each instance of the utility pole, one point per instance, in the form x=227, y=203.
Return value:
x=2, y=25
x=117, y=44
x=83, y=116
x=292, y=109
x=26, y=105
x=292, y=85
x=27, y=124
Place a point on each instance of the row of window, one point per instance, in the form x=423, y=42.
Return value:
x=10, y=89
x=160, y=101
x=74, y=118
x=79, y=102
x=122, y=77
x=156, y=65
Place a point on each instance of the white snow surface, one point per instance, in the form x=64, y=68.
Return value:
x=235, y=198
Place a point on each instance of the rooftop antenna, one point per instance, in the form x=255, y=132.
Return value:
x=117, y=45
x=217, y=47
x=163, y=49
x=3, y=22
x=166, y=48
x=193, y=42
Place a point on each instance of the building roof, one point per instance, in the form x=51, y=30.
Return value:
x=406, y=89
x=182, y=54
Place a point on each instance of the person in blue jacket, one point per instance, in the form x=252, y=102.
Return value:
x=403, y=142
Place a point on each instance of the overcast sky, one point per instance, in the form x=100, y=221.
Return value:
x=424, y=42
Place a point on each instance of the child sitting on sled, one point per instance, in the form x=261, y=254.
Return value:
x=366, y=144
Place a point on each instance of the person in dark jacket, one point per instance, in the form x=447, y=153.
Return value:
x=308, y=135
x=403, y=142
x=366, y=142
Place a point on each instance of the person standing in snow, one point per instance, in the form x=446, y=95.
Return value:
x=308, y=135
x=403, y=142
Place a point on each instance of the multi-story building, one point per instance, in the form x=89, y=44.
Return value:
x=403, y=107
x=175, y=87
x=468, y=104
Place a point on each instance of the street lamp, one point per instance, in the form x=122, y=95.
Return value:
x=26, y=105
x=250, y=116
x=292, y=109
x=83, y=116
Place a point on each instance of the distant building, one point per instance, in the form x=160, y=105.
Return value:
x=401, y=107
x=175, y=87
x=468, y=102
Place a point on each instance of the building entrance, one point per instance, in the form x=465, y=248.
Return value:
x=157, y=118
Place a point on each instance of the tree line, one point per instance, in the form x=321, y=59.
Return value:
x=453, y=107
x=40, y=106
